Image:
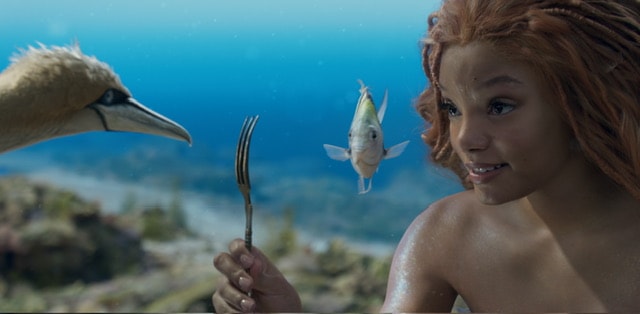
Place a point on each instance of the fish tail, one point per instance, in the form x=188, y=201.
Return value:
x=361, y=189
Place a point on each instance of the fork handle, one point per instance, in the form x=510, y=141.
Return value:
x=247, y=238
x=248, y=232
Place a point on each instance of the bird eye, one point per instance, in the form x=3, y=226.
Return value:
x=113, y=96
x=107, y=98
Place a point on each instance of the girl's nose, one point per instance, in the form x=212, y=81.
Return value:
x=472, y=134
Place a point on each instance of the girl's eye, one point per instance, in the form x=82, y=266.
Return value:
x=499, y=108
x=450, y=108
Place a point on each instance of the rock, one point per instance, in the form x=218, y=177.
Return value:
x=53, y=253
x=49, y=236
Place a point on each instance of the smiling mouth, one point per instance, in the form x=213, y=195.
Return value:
x=480, y=170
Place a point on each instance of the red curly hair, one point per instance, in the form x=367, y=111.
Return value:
x=588, y=51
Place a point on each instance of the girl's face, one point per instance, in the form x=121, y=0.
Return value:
x=504, y=124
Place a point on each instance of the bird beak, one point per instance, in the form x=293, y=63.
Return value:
x=131, y=116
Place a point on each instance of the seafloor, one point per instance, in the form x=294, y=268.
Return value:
x=123, y=235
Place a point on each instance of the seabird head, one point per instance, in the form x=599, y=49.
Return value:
x=49, y=92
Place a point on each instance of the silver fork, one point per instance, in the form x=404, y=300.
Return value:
x=242, y=173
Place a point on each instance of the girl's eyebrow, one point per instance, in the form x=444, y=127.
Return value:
x=500, y=79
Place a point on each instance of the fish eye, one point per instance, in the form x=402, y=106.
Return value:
x=374, y=135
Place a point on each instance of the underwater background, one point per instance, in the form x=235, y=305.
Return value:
x=207, y=65
x=131, y=222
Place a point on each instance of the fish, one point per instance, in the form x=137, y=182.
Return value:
x=366, y=141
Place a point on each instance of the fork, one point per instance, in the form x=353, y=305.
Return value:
x=242, y=174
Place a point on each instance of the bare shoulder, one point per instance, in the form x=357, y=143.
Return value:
x=419, y=278
x=445, y=219
x=436, y=235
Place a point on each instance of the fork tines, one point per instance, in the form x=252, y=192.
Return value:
x=242, y=172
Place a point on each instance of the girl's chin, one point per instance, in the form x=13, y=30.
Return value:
x=488, y=197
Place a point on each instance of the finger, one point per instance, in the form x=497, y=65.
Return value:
x=240, y=253
x=229, y=297
x=234, y=272
x=220, y=305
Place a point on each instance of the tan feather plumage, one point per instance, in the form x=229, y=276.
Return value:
x=48, y=92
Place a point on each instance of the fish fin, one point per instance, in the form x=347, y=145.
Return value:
x=395, y=150
x=337, y=153
x=383, y=106
x=363, y=88
x=361, y=189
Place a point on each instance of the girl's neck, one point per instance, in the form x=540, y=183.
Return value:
x=581, y=198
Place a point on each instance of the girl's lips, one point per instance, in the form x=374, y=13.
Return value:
x=480, y=173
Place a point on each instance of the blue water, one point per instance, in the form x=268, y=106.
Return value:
x=208, y=64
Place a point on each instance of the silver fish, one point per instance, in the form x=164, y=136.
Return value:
x=366, y=145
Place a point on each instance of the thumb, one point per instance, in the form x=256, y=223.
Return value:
x=272, y=292
x=267, y=278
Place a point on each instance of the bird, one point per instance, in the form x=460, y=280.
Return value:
x=53, y=91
